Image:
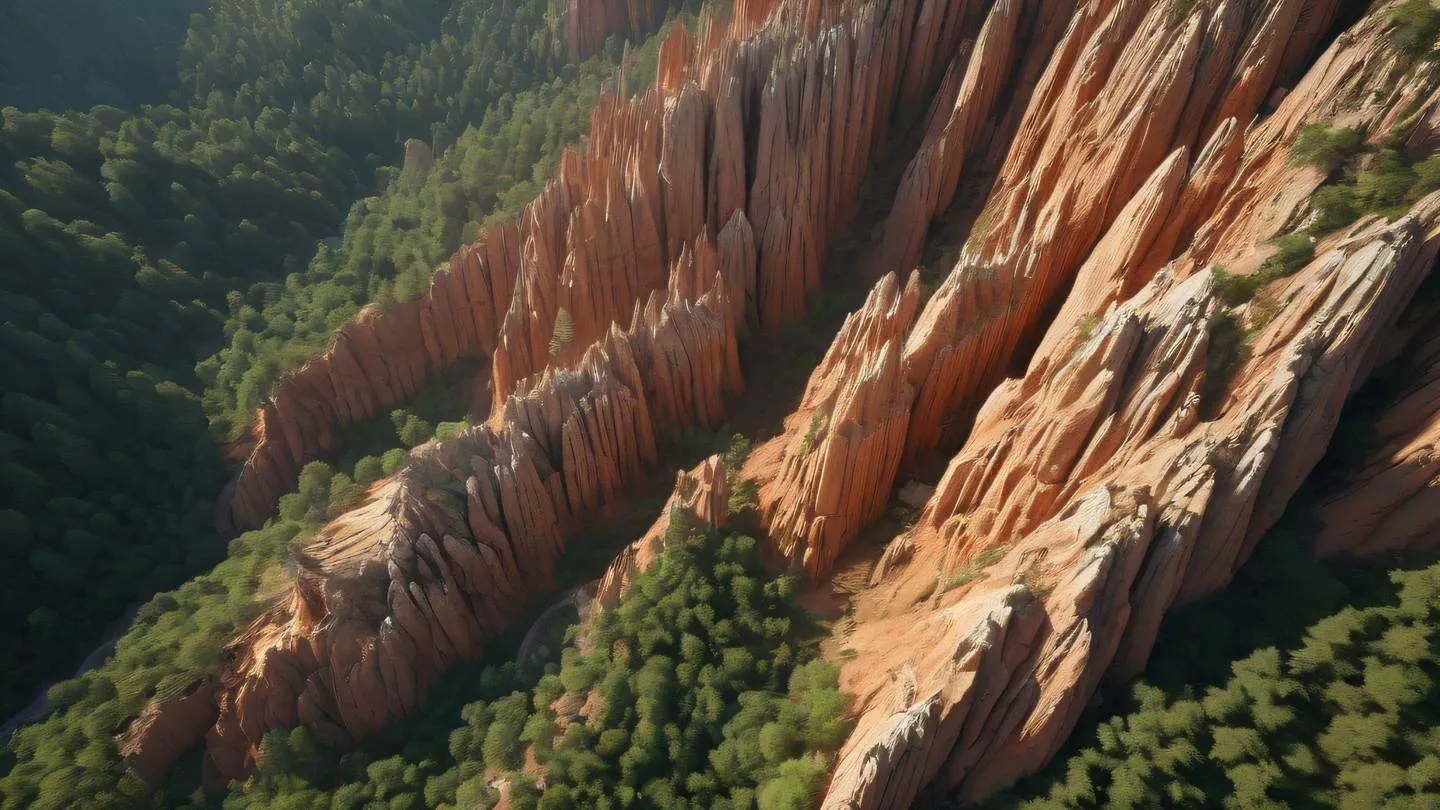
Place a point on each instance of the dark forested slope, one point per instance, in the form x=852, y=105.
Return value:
x=73, y=54
x=140, y=237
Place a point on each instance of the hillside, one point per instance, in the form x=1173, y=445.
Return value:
x=1013, y=328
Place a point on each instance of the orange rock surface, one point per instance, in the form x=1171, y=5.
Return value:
x=1104, y=457
x=444, y=556
x=831, y=472
x=1099, y=489
x=813, y=85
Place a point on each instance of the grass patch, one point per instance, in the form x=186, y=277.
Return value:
x=1416, y=28
x=807, y=442
x=969, y=573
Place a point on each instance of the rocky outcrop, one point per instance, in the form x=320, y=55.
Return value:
x=377, y=361
x=445, y=555
x=1147, y=435
x=830, y=473
x=965, y=109
x=1126, y=86
x=165, y=731
x=584, y=25
x=419, y=157
x=1091, y=497
x=1095, y=492
x=756, y=134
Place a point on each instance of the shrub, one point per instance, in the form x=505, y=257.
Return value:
x=1387, y=183
x=394, y=461
x=1417, y=26
x=1325, y=148
x=1293, y=251
x=1335, y=207
x=1427, y=174
x=1225, y=353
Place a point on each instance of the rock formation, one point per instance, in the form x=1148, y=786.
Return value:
x=1392, y=502
x=1095, y=492
x=584, y=25
x=446, y=554
x=814, y=85
x=377, y=361
x=831, y=472
x=1125, y=87
x=1089, y=498
x=1116, y=435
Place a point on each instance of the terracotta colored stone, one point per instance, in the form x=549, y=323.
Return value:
x=830, y=473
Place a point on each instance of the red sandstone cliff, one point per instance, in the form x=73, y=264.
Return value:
x=758, y=132
x=1092, y=494
x=584, y=25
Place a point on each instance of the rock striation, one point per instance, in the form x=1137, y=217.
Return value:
x=1089, y=499
x=1392, y=502
x=1116, y=435
x=830, y=473
x=1101, y=488
x=756, y=134
x=376, y=362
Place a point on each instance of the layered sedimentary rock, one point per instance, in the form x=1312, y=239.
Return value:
x=757, y=134
x=1101, y=488
x=164, y=732
x=830, y=473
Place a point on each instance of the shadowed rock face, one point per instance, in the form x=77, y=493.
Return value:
x=586, y=24
x=1110, y=477
x=1392, y=502
x=830, y=473
x=702, y=494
